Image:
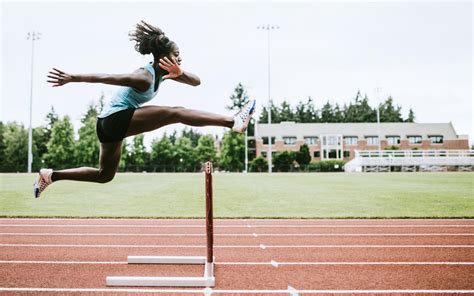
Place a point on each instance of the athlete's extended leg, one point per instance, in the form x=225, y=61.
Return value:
x=149, y=118
x=108, y=165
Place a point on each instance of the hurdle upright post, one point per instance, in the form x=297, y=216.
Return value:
x=207, y=280
x=209, y=268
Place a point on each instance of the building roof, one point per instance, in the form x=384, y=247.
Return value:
x=361, y=130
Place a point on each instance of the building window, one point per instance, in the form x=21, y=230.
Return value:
x=372, y=140
x=350, y=140
x=289, y=140
x=332, y=154
x=393, y=140
x=265, y=140
x=310, y=140
x=414, y=139
x=347, y=154
x=317, y=154
x=331, y=140
x=436, y=139
x=264, y=154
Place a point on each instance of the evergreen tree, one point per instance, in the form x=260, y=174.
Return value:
x=365, y=112
x=192, y=135
x=389, y=112
x=173, y=137
x=338, y=115
x=327, y=113
x=286, y=112
x=411, y=116
x=232, y=152
x=239, y=98
x=311, y=112
x=60, y=146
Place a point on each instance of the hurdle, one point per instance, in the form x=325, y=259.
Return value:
x=207, y=280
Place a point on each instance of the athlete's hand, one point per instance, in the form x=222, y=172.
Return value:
x=171, y=66
x=58, y=77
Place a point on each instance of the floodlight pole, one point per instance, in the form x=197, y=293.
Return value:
x=269, y=28
x=377, y=90
x=33, y=36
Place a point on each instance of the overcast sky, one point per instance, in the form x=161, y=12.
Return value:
x=418, y=52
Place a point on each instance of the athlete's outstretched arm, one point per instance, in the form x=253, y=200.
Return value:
x=176, y=73
x=139, y=80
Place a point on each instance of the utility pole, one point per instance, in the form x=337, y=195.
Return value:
x=33, y=36
x=269, y=28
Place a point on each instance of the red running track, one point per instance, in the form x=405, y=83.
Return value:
x=256, y=257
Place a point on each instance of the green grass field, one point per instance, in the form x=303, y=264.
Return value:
x=292, y=195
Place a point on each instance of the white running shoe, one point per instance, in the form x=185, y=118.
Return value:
x=242, y=119
x=42, y=181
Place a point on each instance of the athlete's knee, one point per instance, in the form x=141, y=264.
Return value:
x=106, y=176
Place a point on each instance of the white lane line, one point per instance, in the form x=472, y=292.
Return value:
x=229, y=234
x=194, y=291
x=292, y=291
x=245, y=226
x=272, y=263
x=233, y=246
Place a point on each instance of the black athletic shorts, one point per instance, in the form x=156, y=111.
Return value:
x=114, y=127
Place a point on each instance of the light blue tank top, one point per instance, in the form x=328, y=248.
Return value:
x=128, y=97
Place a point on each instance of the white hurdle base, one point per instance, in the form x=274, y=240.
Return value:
x=208, y=280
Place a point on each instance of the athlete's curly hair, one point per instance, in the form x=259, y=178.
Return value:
x=150, y=39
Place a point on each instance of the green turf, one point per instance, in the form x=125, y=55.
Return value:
x=293, y=195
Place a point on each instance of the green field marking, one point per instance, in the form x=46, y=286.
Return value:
x=279, y=195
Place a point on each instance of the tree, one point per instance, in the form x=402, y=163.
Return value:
x=192, y=135
x=327, y=113
x=286, y=112
x=389, y=112
x=124, y=156
x=283, y=161
x=411, y=116
x=15, y=153
x=185, y=156
x=305, y=112
x=87, y=147
x=303, y=157
x=232, y=152
x=162, y=152
x=2, y=146
x=60, y=146
x=40, y=147
x=138, y=154
x=206, y=150
x=259, y=164
x=239, y=98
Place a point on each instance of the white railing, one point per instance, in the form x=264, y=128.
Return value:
x=405, y=158
x=414, y=153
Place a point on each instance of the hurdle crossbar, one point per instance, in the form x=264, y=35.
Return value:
x=207, y=280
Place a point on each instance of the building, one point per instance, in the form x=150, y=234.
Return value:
x=341, y=140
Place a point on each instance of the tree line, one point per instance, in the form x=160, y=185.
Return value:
x=358, y=110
